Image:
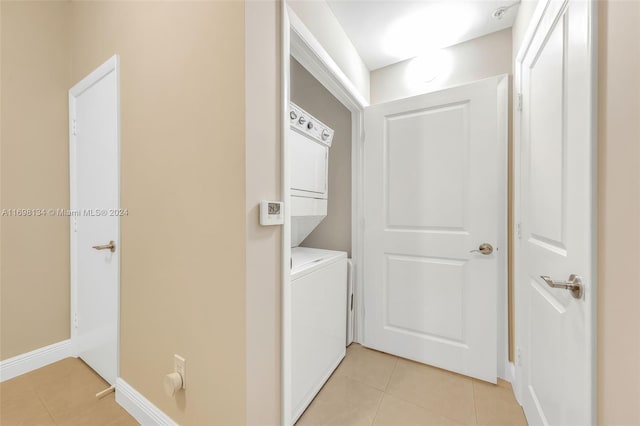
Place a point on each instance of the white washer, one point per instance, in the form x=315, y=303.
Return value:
x=319, y=297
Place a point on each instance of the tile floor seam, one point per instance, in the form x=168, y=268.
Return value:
x=369, y=385
x=475, y=407
x=53, y=419
x=395, y=365
x=375, y=416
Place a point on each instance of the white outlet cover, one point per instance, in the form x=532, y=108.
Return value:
x=180, y=367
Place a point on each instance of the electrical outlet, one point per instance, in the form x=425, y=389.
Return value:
x=180, y=367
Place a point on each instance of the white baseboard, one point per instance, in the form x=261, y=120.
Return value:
x=511, y=372
x=507, y=372
x=513, y=378
x=140, y=407
x=24, y=363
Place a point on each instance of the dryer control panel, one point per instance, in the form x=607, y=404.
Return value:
x=305, y=123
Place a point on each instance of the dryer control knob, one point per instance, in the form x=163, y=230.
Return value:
x=302, y=121
x=310, y=125
x=293, y=115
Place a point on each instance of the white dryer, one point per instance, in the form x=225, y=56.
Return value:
x=309, y=143
x=319, y=322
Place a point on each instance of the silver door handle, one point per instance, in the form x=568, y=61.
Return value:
x=111, y=246
x=573, y=284
x=485, y=248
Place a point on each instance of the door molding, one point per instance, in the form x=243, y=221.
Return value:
x=534, y=24
x=111, y=65
x=503, y=235
x=299, y=42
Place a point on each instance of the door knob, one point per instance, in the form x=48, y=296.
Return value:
x=573, y=284
x=111, y=246
x=485, y=248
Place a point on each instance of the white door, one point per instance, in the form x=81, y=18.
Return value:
x=435, y=188
x=555, y=329
x=94, y=163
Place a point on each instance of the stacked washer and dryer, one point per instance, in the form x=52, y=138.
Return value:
x=318, y=277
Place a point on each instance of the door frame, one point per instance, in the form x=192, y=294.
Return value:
x=518, y=259
x=297, y=41
x=111, y=65
x=312, y=56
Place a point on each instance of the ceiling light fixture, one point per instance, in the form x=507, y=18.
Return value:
x=428, y=68
x=436, y=26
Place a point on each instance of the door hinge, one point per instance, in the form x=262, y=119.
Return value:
x=75, y=320
x=519, y=101
x=519, y=230
x=74, y=128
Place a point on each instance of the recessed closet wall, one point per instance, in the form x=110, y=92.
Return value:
x=334, y=232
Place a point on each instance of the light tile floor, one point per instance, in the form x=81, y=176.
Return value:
x=368, y=388
x=63, y=393
x=374, y=388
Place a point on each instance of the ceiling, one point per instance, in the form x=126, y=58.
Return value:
x=385, y=32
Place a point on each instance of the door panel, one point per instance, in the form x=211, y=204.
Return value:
x=435, y=182
x=555, y=329
x=427, y=206
x=437, y=284
x=546, y=161
x=95, y=196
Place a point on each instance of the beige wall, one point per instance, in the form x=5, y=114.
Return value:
x=472, y=60
x=36, y=75
x=264, y=243
x=183, y=155
x=619, y=213
x=164, y=182
x=322, y=23
x=183, y=158
x=334, y=232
